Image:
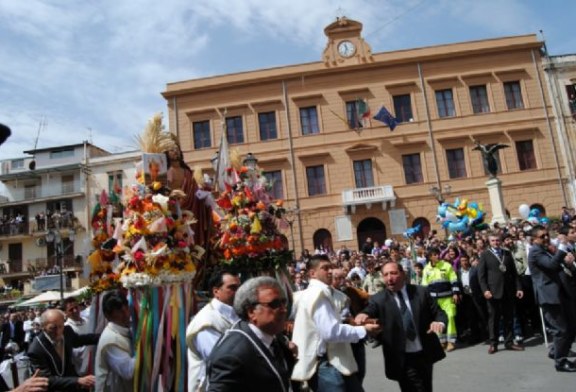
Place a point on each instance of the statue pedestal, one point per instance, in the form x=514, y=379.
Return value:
x=496, y=201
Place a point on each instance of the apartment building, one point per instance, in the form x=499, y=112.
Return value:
x=46, y=210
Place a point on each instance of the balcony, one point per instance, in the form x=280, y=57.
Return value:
x=383, y=194
x=30, y=193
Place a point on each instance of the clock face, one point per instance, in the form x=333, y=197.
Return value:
x=346, y=49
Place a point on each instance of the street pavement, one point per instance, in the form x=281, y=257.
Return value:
x=472, y=369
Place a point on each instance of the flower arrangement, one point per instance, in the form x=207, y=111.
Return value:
x=249, y=233
x=152, y=238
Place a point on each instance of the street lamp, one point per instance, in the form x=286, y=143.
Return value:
x=55, y=236
x=440, y=193
x=290, y=217
x=250, y=161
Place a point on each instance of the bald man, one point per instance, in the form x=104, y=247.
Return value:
x=51, y=353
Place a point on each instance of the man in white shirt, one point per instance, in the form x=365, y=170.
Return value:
x=81, y=355
x=209, y=324
x=114, y=356
x=325, y=357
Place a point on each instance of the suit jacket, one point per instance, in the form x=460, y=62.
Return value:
x=43, y=356
x=18, y=334
x=425, y=310
x=492, y=279
x=241, y=362
x=545, y=270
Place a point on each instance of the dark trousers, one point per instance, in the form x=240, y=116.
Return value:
x=556, y=319
x=469, y=321
x=417, y=375
x=500, y=309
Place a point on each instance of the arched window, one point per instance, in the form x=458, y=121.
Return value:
x=323, y=240
x=424, y=226
x=373, y=228
x=539, y=207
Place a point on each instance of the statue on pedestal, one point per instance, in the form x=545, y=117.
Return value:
x=488, y=155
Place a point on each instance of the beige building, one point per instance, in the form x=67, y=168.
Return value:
x=346, y=178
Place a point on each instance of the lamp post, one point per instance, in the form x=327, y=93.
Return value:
x=55, y=236
x=440, y=193
x=290, y=217
x=250, y=161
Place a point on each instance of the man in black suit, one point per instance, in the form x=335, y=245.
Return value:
x=253, y=355
x=51, y=353
x=545, y=268
x=13, y=330
x=499, y=283
x=409, y=329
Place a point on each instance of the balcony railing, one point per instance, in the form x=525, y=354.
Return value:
x=44, y=191
x=11, y=267
x=368, y=196
x=57, y=221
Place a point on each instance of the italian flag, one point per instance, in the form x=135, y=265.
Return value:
x=363, y=111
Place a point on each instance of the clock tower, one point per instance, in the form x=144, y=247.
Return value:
x=345, y=45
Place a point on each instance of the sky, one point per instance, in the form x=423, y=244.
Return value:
x=94, y=70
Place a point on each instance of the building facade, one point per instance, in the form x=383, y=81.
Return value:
x=345, y=175
x=46, y=211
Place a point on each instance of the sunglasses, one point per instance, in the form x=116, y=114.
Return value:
x=275, y=304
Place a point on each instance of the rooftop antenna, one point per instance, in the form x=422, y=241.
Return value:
x=89, y=135
x=41, y=126
x=544, y=43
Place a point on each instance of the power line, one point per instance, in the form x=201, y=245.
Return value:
x=395, y=18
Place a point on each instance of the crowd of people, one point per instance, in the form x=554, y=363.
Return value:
x=418, y=299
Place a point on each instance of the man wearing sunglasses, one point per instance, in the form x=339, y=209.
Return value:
x=545, y=264
x=209, y=324
x=325, y=359
x=253, y=355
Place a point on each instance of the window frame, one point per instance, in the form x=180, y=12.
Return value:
x=456, y=168
x=268, y=127
x=205, y=134
x=523, y=163
x=309, y=124
x=316, y=178
x=363, y=173
x=514, y=99
x=235, y=134
x=479, y=101
x=413, y=173
x=399, y=111
x=445, y=105
x=274, y=179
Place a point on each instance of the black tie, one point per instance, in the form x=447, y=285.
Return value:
x=406, y=318
x=278, y=353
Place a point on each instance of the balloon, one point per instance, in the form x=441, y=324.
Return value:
x=451, y=217
x=534, y=212
x=524, y=211
x=533, y=220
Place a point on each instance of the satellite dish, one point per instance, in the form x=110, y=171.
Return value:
x=32, y=165
x=40, y=242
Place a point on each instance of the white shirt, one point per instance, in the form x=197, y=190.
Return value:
x=327, y=322
x=120, y=361
x=465, y=277
x=207, y=338
x=412, y=346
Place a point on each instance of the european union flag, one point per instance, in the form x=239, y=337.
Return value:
x=384, y=116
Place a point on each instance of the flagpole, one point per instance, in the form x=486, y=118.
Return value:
x=220, y=152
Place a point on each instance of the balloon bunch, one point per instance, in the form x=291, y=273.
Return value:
x=532, y=215
x=462, y=216
x=411, y=232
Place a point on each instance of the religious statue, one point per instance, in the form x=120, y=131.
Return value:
x=181, y=177
x=488, y=155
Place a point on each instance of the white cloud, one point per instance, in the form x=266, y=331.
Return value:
x=104, y=64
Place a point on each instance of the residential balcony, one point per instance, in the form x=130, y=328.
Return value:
x=35, y=226
x=382, y=195
x=43, y=192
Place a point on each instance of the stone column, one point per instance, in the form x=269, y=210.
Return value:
x=496, y=201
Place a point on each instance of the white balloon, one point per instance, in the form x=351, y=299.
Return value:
x=524, y=211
